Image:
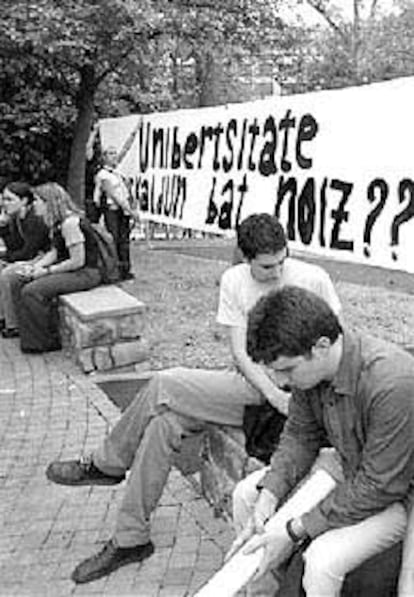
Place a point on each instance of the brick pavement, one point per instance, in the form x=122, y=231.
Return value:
x=49, y=410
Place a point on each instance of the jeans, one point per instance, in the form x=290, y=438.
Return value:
x=7, y=310
x=119, y=226
x=331, y=555
x=37, y=308
x=174, y=404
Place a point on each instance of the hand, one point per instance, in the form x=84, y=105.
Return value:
x=25, y=270
x=38, y=272
x=264, y=508
x=135, y=216
x=277, y=546
x=279, y=399
x=241, y=539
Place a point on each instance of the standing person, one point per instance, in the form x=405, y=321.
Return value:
x=178, y=402
x=26, y=236
x=69, y=266
x=111, y=195
x=355, y=391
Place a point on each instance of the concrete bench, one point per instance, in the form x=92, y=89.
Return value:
x=103, y=328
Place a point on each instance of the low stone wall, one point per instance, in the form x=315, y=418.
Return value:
x=224, y=462
x=103, y=328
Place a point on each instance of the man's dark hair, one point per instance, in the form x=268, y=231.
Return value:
x=22, y=190
x=288, y=322
x=259, y=234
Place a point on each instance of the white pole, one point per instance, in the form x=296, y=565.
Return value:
x=237, y=572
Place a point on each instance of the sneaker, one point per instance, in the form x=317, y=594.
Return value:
x=79, y=472
x=109, y=559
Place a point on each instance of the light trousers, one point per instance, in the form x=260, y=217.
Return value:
x=331, y=555
x=173, y=405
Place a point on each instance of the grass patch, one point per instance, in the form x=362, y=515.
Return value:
x=181, y=294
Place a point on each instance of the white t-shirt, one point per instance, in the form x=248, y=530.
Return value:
x=111, y=182
x=239, y=291
x=71, y=231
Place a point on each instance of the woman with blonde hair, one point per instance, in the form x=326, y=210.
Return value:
x=69, y=266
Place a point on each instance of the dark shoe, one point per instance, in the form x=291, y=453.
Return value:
x=109, y=559
x=10, y=333
x=2, y=325
x=128, y=276
x=79, y=472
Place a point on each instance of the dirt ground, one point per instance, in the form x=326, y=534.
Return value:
x=179, y=281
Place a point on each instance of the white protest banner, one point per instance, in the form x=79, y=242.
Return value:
x=335, y=166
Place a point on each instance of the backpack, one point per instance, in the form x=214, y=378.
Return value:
x=108, y=263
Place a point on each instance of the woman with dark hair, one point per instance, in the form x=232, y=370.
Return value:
x=69, y=266
x=25, y=235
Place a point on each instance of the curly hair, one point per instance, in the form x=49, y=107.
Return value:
x=259, y=234
x=288, y=322
x=58, y=202
x=21, y=189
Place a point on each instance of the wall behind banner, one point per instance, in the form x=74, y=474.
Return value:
x=335, y=166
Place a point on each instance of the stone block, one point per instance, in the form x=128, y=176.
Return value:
x=103, y=301
x=125, y=353
x=224, y=463
x=102, y=358
x=92, y=333
x=226, y=451
x=130, y=326
x=103, y=327
x=84, y=358
x=217, y=487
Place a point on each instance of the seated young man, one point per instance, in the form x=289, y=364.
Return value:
x=357, y=393
x=178, y=402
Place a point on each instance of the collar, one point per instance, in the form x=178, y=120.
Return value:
x=347, y=375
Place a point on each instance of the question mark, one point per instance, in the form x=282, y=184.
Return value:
x=382, y=186
x=406, y=186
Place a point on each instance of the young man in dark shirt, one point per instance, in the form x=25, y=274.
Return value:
x=354, y=392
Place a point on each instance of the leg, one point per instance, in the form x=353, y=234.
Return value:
x=2, y=267
x=335, y=553
x=114, y=221
x=149, y=473
x=124, y=245
x=37, y=306
x=6, y=297
x=244, y=498
x=171, y=406
x=245, y=495
x=211, y=396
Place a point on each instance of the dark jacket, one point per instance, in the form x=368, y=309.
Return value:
x=367, y=414
x=25, y=238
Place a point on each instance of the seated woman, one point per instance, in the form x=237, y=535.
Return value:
x=25, y=236
x=69, y=266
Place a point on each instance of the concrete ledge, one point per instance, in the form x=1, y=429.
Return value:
x=103, y=301
x=103, y=328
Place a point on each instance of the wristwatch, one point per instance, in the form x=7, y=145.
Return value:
x=299, y=536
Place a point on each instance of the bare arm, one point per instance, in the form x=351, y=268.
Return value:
x=254, y=373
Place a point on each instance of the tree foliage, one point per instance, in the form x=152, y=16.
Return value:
x=66, y=62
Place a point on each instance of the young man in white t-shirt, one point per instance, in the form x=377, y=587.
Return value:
x=178, y=402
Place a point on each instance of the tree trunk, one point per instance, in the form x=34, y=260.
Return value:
x=207, y=79
x=83, y=125
x=356, y=41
